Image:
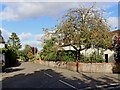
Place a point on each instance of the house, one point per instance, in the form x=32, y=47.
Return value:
x=116, y=44
x=108, y=54
x=34, y=50
x=2, y=45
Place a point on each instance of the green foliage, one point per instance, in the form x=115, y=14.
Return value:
x=25, y=51
x=68, y=56
x=59, y=56
x=23, y=58
x=80, y=26
x=3, y=50
x=52, y=56
x=30, y=55
x=48, y=53
x=36, y=57
x=94, y=58
x=11, y=56
x=14, y=41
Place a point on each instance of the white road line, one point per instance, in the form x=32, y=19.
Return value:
x=113, y=87
x=48, y=74
x=99, y=86
x=67, y=84
x=114, y=83
x=87, y=88
x=102, y=86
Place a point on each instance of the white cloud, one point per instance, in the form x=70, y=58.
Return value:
x=61, y=0
x=33, y=44
x=20, y=11
x=5, y=34
x=38, y=37
x=25, y=36
x=113, y=21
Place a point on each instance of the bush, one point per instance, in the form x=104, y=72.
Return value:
x=94, y=58
x=70, y=56
x=59, y=56
x=30, y=56
x=36, y=57
x=23, y=58
x=11, y=57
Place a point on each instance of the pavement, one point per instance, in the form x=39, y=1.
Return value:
x=30, y=75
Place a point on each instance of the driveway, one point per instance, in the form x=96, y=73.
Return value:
x=30, y=75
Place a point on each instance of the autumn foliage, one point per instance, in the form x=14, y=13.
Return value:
x=30, y=55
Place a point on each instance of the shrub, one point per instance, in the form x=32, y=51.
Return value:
x=59, y=56
x=94, y=58
x=36, y=57
x=11, y=56
x=23, y=58
x=30, y=56
x=68, y=56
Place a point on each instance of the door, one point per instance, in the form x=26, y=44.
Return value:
x=106, y=58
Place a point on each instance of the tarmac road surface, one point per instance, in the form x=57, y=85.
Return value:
x=30, y=75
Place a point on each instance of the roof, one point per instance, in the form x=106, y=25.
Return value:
x=1, y=38
x=116, y=32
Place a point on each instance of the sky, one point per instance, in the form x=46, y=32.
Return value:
x=27, y=19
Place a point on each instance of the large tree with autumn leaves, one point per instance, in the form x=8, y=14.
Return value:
x=82, y=27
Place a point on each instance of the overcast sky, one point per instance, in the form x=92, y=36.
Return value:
x=28, y=19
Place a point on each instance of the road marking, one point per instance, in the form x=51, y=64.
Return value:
x=87, y=88
x=114, y=83
x=48, y=74
x=67, y=84
x=99, y=86
x=113, y=87
x=103, y=86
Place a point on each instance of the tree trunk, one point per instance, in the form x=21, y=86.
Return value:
x=98, y=50
x=77, y=59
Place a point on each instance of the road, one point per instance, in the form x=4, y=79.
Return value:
x=30, y=75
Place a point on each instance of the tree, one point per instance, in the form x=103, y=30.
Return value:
x=80, y=28
x=14, y=41
x=116, y=47
x=26, y=51
x=10, y=56
x=48, y=53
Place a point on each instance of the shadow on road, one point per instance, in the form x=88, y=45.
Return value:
x=39, y=80
x=10, y=70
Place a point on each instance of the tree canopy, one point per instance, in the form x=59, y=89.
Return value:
x=14, y=41
x=82, y=27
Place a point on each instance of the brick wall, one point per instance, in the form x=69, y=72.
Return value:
x=83, y=67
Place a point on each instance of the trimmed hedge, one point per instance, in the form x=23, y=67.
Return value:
x=11, y=57
x=70, y=56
